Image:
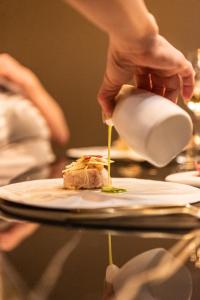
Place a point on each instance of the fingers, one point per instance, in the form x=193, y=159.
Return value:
x=106, y=96
x=187, y=75
x=168, y=87
x=172, y=88
x=181, y=81
x=166, y=61
x=144, y=81
x=183, y=68
x=158, y=86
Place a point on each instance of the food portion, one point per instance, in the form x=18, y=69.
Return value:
x=88, y=172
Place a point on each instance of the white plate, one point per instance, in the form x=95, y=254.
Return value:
x=49, y=193
x=115, y=153
x=190, y=178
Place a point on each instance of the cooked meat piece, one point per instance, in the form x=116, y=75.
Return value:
x=87, y=178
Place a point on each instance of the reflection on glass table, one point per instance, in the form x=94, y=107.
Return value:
x=57, y=262
x=156, y=273
x=146, y=265
x=14, y=285
x=136, y=280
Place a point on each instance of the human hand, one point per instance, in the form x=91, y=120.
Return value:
x=27, y=83
x=160, y=68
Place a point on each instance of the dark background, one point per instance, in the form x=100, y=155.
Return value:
x=68, y=53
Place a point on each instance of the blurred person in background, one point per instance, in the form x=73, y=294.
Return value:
x=29, y=119
x=23, y=81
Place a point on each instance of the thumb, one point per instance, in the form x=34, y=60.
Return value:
x=106, y=99
x=111, y=272
x=118, y=72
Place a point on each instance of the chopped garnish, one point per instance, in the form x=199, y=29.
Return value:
x=87, y=157
x=87, y=161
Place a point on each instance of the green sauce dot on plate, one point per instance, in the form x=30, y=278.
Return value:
x=112, y=189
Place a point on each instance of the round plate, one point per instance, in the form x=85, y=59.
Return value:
x=115, y=153
x=49, y=193
x=190, y=178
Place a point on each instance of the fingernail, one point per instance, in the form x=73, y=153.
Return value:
x=107, y=119
x=109, y=122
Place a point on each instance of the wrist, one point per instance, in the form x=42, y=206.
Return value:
x=138, y=43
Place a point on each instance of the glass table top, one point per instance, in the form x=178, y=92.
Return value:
x=44, y=256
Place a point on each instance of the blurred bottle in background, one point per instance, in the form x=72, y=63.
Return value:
x=192, y=153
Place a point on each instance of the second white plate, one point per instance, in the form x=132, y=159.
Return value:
x=190, y=178
x=115, y=153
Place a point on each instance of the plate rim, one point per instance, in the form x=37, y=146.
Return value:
x=42, y=206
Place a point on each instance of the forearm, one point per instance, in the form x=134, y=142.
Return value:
x=125, y=21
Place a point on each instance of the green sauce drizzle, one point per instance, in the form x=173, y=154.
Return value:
x=109, y=188
x=109, y=148
x=110, y=252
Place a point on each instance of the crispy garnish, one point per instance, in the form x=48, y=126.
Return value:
x=87, y=161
